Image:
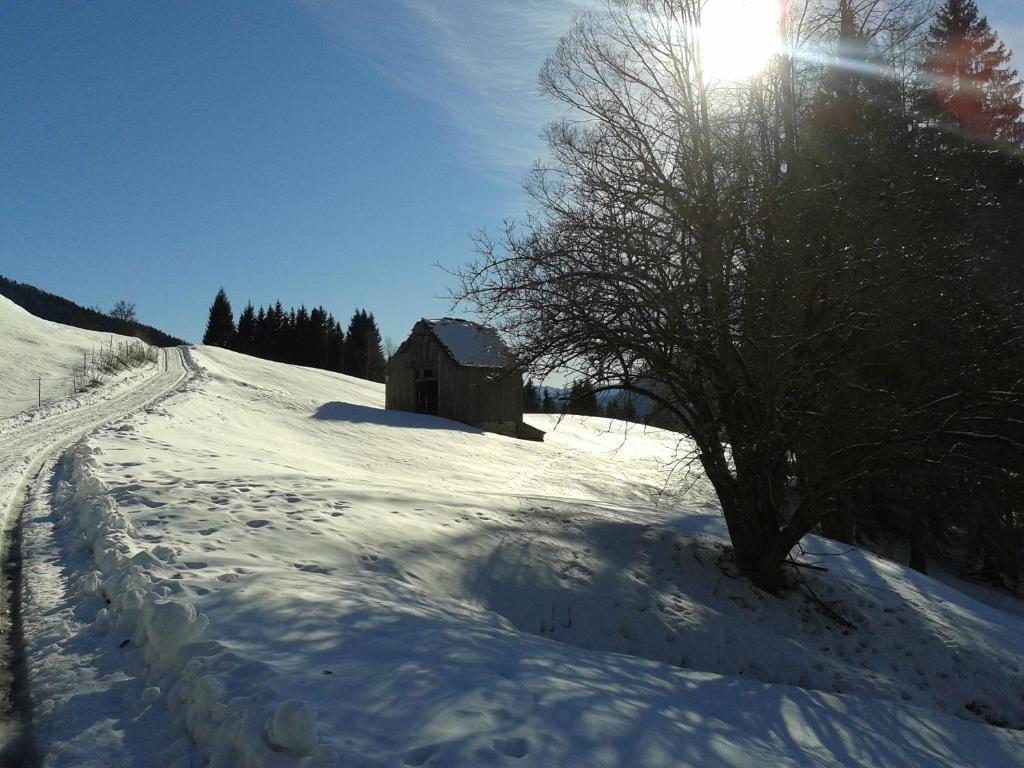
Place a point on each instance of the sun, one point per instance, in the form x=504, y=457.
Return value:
x=738, y=37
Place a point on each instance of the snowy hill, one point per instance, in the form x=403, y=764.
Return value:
x=268, y=569
x=30, y=348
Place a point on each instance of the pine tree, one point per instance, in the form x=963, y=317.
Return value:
x=335, y=345
x=613, y=408
x=531, y=398
x=318, y=338
x=302, y=342
x=277, y=329
x=261, y=335
x=548, y=404
x=220, y=327
x=245, y=338
x=973, y=82
x=582, y=400
x=364, y=357
x=288, y=348
x=628, y=409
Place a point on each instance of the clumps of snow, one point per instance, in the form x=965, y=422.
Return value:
x=228, y=704
x=293, y=727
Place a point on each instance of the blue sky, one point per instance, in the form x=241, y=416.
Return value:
x=313, y=152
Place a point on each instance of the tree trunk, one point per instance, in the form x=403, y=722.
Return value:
x=841, y=524
x=752, y=521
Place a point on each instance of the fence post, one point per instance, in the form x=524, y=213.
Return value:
x=40, y=391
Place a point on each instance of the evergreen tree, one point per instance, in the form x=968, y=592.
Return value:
x=220, y=327
x=303, y=351
x=531, y=397
x=613, y=408
x=277, y=329
x=628, y=409
x=581, y=400
x=973, y=84
x=318, y=338
x=245, y=339
x=261, y=336
x=288, y=352
x=335, y=345
x=364, y=357
x=548, y=404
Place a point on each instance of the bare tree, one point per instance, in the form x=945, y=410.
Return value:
x=124, y=310
x=679, y=252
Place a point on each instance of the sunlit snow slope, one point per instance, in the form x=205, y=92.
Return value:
x=302, y=578
x=30, y=348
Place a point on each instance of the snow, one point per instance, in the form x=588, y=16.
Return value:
x=267, y=569
x=31, y=347
x=470, y=343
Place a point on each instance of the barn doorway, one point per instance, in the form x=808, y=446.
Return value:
x=426, y=394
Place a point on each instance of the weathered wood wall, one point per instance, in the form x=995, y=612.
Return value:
x=468, y=394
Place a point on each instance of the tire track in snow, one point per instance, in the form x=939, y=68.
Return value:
x=28, y=454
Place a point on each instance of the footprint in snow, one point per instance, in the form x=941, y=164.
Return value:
x=310, y=568
x=515, y=747
x=420, y=755
x=257, y=523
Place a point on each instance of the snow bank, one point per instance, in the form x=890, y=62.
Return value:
x=228, y=704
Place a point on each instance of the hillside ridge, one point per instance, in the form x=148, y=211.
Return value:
x=57, y=309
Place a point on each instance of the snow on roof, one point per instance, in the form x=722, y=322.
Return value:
x=470, y=343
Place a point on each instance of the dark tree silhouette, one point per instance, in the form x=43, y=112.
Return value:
x=363, y=354
x=245, y=338
x=220, y=327
x=531, y=397
x=124, y=310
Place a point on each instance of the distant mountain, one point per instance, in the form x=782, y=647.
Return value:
x=642, y=406
x=57, y=309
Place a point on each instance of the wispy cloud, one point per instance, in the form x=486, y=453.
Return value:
x=476, y=61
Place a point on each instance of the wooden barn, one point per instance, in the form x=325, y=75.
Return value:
x=459, y=370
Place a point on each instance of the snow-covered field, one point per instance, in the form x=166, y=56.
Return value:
x=267, y=569
x=30, y=348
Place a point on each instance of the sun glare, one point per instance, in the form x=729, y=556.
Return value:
x=738, y=37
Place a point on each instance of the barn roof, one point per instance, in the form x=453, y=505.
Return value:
x=470, y=343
